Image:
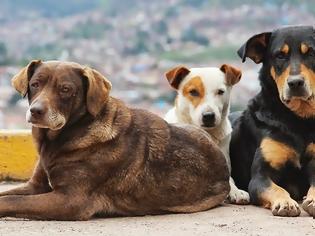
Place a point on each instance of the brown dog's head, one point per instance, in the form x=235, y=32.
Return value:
x=60, y=91
x=288, y=57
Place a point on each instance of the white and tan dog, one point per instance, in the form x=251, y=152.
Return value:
x=203, y=99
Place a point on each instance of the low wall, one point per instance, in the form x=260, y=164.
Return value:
x=17, y=154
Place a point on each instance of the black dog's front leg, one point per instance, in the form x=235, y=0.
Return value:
x=263, y=191
x=309, y=201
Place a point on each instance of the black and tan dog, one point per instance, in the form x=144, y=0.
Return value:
x=273, y=142
x=98, y=156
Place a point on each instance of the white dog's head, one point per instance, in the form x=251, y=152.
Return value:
x=203, y=93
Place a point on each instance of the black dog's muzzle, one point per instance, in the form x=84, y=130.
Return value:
x=296, y=86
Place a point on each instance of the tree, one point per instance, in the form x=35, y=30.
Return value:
x=191, y=35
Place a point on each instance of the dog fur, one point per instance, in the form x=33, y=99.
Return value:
x=202, y=92
x=99, y=157
x=272, y=147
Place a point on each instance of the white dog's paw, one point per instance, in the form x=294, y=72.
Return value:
x=238, y=196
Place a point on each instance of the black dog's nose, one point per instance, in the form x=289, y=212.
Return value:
x=295, y=82
x=208, y=119
x=37, y=109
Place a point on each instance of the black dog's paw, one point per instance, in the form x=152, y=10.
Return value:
x=309, y=205
x=285, y=207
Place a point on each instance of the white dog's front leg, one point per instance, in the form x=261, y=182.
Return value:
x=237, y=196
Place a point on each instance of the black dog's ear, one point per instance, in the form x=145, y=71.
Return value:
x=21, y=79
x=255, y=47
x=98, y=90
x=176, y=75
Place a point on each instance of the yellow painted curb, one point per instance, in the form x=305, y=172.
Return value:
x=17, y=154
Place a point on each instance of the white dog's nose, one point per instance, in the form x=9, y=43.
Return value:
x=208, y=119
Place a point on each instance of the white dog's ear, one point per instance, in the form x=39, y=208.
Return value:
x=232, y=74
x=176, y=75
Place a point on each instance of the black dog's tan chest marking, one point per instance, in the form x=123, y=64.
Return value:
x=277, y=154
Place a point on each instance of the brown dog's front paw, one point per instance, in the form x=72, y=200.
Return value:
x=285, y=207
x=309, y=206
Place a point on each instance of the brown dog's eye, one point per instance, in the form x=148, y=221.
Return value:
x=65, y=89
x=194, y=93
x=35, y=85
x=220, y=92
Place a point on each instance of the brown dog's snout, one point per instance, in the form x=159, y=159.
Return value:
x=38, y=109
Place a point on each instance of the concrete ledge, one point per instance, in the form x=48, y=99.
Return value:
x=17, y=154
x=227, y=220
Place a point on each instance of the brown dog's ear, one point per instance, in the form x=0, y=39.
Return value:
x=176, y=75
x=255, y=47
x=232, y=74
x=97, y=92
x=21, y=79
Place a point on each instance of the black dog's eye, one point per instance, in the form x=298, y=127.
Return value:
x=194, y=93
x=311, y=52
x=220, y=92
x=281, y=56
x=35, y=85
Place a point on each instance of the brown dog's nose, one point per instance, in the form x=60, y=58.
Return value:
x=295, y=82
x=37, y=109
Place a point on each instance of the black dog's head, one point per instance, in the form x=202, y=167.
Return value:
x=288, y=57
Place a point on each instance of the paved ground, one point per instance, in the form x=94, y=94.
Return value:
x=223, y=220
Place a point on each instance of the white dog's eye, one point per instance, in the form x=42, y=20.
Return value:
x=194, y=93
x=220, y=92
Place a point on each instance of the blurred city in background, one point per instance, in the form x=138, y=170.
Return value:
x=134, y=42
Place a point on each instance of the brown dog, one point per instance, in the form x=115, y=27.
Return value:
x=99, y=157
